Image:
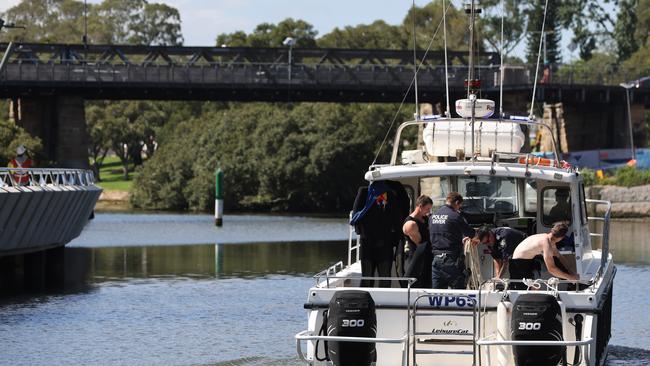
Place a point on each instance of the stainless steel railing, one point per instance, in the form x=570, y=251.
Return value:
x=604, y=234
x=41, y=177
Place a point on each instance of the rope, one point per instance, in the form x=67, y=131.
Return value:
x=383, y=142
x=444, y=28
x=473, y=262
x=539, y=54
x=553, y=284
x=534, y=284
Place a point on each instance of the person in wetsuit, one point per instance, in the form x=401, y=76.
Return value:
x=522, y=264
x=448, y=231
x=501, y=242
x=418, y=249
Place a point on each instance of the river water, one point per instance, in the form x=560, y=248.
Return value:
x=148, y=290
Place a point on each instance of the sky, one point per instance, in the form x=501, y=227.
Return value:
x=203, y=20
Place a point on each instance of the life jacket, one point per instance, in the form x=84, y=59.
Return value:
x=21, y=178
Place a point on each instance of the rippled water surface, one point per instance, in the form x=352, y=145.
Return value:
x=136, y=303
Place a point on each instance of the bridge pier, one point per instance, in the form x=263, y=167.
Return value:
x=60, y=123
x=582, y=126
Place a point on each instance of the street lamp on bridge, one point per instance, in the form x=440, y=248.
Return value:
x=289, y=42
x=627, y=86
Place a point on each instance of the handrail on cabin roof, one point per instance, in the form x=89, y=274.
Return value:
x=435, y=119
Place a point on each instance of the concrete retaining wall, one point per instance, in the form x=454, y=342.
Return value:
x=626, y=202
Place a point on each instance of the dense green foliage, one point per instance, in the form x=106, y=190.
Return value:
x=11, y=136
x=629, y=177
x=309, y=157
x=625, y=177
x=108, y=22
x=551, y=35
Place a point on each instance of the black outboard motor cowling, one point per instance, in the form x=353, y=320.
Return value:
x=352, y=314
x=537, y=317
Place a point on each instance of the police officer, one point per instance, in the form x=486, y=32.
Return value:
x=448, y=231
x=501, y=242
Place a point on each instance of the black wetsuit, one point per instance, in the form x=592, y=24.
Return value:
x=380, y=230
x=419, y=257
x=446, y=231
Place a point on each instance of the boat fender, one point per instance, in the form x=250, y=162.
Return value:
x=504, y=352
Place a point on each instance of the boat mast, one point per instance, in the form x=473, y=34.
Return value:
x=415, y=66
x=473, y=84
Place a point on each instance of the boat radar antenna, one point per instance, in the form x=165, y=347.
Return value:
x=472, y=84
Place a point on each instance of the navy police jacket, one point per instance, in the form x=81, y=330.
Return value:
x=447, y=228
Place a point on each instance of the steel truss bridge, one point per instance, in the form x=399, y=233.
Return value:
x=265, y=74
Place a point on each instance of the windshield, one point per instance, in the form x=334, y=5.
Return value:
x=484, y=194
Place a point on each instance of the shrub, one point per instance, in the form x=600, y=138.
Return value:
x=631, y=176
x=589, y=176
x=310, y=157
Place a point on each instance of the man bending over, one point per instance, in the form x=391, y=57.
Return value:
x=522, y=263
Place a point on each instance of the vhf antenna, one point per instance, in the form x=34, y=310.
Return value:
x=472, y=84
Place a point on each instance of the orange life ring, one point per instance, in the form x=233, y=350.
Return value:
x=538, y=160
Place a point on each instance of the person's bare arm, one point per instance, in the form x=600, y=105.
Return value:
x=548, y=253
x=411, y=229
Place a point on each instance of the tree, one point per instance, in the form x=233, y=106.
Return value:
x=643, y=21
x=590, y=22
x=98, y=145
x=551, y=37
x=624, y=31
x=11, y=136
x=514, y=23
x=427, y=21
x=272, y=35
x=378, y=35
x=109, y=22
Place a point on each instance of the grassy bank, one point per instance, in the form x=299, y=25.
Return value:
x=112, y=176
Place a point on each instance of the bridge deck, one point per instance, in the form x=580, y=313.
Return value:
x=215, y=73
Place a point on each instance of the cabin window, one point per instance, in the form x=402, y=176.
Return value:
x=530, y=198
x=437, y=188
x=485, y=194
x=556, y=203
x=583, y=205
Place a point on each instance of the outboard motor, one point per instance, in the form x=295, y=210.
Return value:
x=537, y=317
x=351, y=314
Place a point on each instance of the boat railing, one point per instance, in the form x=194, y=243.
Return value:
x=308, y=335
x=603, y=234
x=357, y=245
x=329, y=271
x=552, y=285
x=513, y=120
x=43, y=177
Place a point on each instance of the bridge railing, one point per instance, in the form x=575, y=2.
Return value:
x=271, y=74
x=42, y=177
x=304, y=74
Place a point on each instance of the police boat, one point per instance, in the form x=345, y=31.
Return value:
x=493, y=321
